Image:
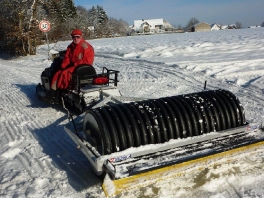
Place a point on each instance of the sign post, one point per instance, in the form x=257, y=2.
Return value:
x=44, y=26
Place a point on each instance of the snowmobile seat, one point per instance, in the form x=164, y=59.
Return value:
x=82, y=75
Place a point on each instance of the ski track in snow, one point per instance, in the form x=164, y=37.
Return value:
x=51, y=155
x=34, y=147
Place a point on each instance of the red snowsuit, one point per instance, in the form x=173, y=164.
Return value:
x=82, y=53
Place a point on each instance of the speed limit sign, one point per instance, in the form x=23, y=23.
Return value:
x=44, y=26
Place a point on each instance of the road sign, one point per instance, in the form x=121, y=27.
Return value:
x=44, y=26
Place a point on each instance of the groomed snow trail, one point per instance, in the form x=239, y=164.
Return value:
x=38, y=159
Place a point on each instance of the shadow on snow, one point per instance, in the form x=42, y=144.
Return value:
x=59, y=146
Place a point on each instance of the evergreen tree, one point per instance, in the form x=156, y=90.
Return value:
x=98, y=18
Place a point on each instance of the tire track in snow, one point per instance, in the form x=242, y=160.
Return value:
x=26, y=162
x=19, y=124
x=144, y=72
x=32, y=164
x=155, y=68
x=63, y=152
x=46, y=162
x=10, y=135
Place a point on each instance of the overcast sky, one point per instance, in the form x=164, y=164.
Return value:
x=179, y=12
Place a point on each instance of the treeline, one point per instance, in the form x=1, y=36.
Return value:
x=19, y=23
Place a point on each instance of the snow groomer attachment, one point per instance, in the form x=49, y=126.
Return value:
x=140, y=142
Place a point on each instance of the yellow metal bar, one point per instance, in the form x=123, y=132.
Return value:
x=114, y=187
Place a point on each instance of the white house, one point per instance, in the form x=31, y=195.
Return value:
x=215, y=27
x=151, y=26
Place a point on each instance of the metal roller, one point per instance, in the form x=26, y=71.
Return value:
x=117, y=127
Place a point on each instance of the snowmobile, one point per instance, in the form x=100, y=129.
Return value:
x=85, y=88
x=133, y=142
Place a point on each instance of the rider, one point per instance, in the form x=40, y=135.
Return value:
x=79, y=52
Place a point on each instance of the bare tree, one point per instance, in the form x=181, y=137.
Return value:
x=118, y=27
x=32, y=29
x=193, y=21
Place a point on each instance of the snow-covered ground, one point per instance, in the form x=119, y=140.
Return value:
x=38, y=159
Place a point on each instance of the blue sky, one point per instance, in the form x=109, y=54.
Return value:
x=179, y=12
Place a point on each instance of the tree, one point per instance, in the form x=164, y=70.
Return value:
x=262, y=24
x=95, y=23
x=19, y=20
x=193, y=21
x=62, y=10
x=62, y=15
x=18, y=26
x=118, y=27
x=100, y=20
x=82, y=21
x=238, y=25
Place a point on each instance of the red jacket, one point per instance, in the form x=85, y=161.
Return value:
x=82, y=53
